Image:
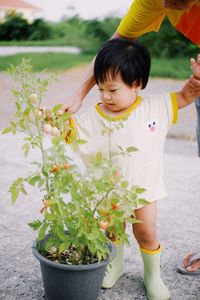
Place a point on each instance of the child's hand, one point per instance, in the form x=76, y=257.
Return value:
x=194, y=80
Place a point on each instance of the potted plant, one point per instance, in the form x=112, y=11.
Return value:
x=82, y=209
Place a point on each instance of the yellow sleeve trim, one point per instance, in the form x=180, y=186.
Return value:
x=72, y=132
x=174, y=108
x=151, y=252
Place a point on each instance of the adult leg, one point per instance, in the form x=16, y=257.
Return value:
x=150, y=249
x=191, y=263
x=188, y=263
x=197, y=104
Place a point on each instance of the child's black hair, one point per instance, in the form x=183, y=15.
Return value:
x=121, y=56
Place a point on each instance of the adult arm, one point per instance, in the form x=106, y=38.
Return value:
x=137, y=21
x=188, y=93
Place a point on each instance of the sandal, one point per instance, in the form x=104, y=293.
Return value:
x=192, y=259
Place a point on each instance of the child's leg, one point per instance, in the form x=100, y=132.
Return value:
x=145, y=233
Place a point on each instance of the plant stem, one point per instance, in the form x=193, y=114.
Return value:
x=99, y=202
x=109, y=141
x=41, y=143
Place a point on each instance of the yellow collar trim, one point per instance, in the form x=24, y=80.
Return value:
x=122, y=116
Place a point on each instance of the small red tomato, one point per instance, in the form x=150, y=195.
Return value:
x=115, y=206
x=49, y=117
x=54, y=169
x=66, y=166
x=46, y=203
x=61, y=166
x=117, y=174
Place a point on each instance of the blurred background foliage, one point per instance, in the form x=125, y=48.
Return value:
x=169, y=49
x=89, y=35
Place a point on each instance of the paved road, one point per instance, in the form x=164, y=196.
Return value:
x=11, y=50
x=178, y=227
x=178, y=214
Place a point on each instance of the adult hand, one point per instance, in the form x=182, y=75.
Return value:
x=194, y=80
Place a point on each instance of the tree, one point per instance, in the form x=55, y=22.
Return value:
x=14, y=28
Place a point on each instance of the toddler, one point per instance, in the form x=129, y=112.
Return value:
x=121, y=70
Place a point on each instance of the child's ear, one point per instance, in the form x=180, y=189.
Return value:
x=137, y=86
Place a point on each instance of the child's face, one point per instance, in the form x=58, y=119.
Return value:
x=116, y=95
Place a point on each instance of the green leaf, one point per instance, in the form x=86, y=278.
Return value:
x=133, y=221
x=29, y=139
x=50, y=217
x=124, y=184
x=62, y=235
x=35, y=225
x=143, y=201
x=49, y=243
x=42, y=231
x=22, y=124
x=14, y=125
x=27, y=111
x=16, y=188
x=6, y=130
x=26, y=149
x=133, y=196
x=64, y=246
x=44, y=171
x=32, y=180
x=41, y=182
x=139, y=190
x=81, y=142
x=23, y=191
x=56, y=108
x=131, y=149
x=65, y=116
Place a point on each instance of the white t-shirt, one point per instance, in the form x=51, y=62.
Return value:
x=145, y=127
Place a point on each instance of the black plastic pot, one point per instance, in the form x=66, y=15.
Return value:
x=72, y=282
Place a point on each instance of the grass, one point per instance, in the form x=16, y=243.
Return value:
x=49, y=61
x=178, y=68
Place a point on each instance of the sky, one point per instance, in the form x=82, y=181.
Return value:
x=87, y=9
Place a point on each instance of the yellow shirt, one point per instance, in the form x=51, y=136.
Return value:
x=147, y=15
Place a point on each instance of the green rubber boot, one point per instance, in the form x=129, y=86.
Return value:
x=115, y=269
x=155, y=287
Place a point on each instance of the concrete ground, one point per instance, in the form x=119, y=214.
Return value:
x=178, y=214
x=11, y=50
